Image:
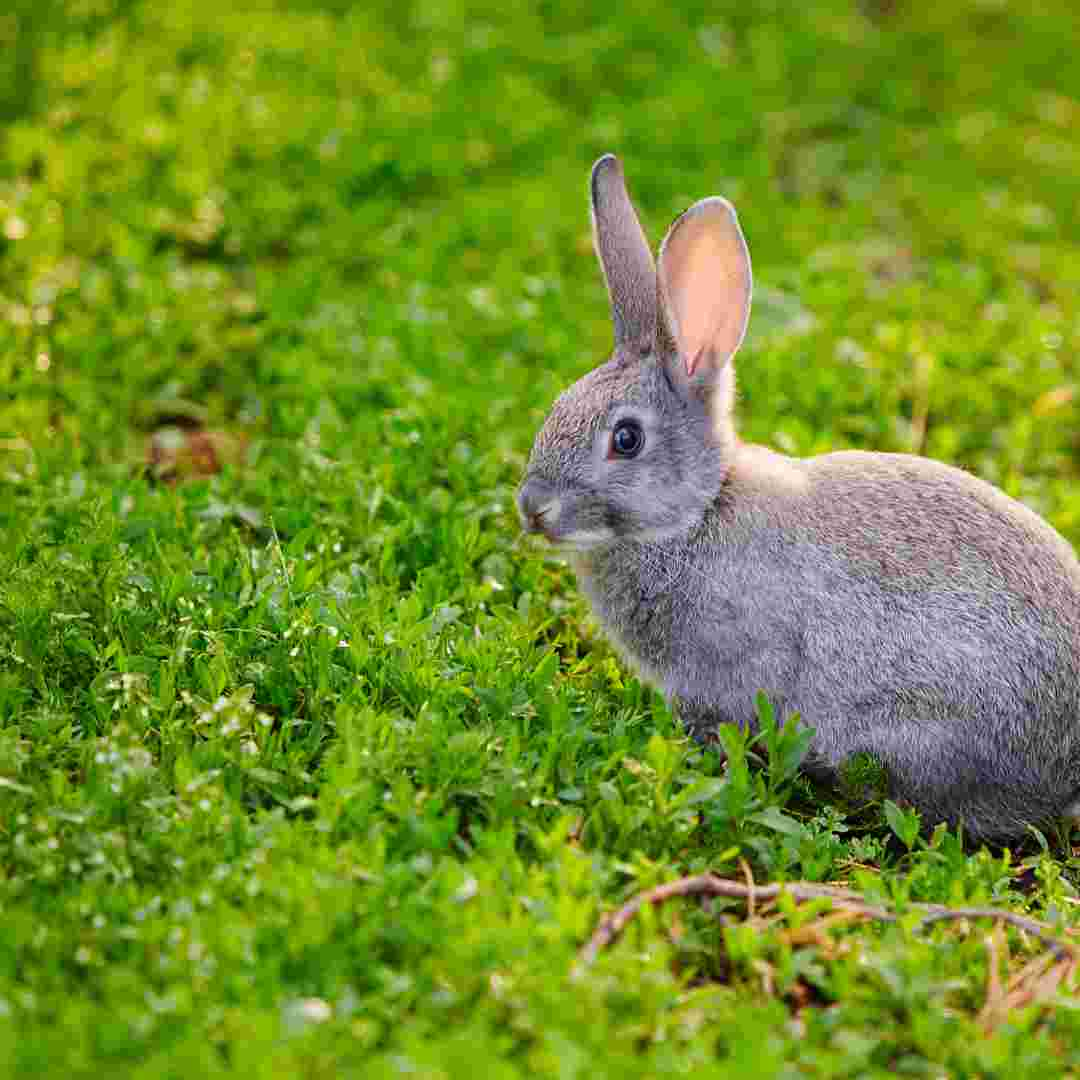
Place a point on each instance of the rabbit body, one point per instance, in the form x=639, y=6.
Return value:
x=935, y=625
x=902, y=607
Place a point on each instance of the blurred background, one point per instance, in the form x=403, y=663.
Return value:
x=238, y=233
x=307, y=764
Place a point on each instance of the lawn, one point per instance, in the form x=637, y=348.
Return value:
x=311, y=766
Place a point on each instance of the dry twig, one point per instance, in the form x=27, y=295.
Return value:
x=744, y=866
x=613, y=924
x=995, y=1005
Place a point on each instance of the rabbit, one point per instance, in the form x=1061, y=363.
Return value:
x=901, y=607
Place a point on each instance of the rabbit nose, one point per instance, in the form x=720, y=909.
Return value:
x=538, y=504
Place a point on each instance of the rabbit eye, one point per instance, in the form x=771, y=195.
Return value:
x=627, y=439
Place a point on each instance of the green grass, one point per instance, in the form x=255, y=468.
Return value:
x=308, y=766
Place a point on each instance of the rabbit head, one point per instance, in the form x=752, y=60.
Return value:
x=640, y=447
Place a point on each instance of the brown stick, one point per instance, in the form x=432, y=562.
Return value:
x=994, y=1006
x=613, y=924
x=751, y=885
x=1043, y=931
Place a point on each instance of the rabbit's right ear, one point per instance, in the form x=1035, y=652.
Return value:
x=625, y=257
x=705, y=287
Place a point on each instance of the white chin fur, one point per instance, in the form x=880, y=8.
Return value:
x=585, y=539
x=654, y=536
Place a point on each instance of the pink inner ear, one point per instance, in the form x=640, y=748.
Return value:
x=692, y=362
x=707, y=284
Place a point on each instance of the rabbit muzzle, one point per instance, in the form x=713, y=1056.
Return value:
x=538, y=506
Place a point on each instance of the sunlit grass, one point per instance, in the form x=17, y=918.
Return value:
x=308, y=765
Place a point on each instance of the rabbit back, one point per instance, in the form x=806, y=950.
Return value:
x=901, y=606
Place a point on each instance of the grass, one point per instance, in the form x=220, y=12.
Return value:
x=308, y=766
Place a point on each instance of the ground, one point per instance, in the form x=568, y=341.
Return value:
x=309, y=765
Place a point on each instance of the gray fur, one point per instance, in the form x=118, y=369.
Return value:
x=624, y=256
x=902, y=607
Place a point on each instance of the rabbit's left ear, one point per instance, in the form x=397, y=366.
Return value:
x=624, y=255
x=704, y=283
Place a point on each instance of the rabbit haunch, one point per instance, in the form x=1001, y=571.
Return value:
x=902, y=607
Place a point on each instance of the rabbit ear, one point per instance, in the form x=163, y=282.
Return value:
x=705, y=285
x=625, y=257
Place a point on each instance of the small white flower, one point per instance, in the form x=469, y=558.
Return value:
x=315, y=1010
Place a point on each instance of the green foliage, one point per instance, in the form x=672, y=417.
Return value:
x=308, y=766
x=903, y=822
x=862, y=779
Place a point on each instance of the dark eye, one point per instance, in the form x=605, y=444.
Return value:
x=627, y=439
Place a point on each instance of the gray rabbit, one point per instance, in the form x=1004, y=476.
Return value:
x=902, y=607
